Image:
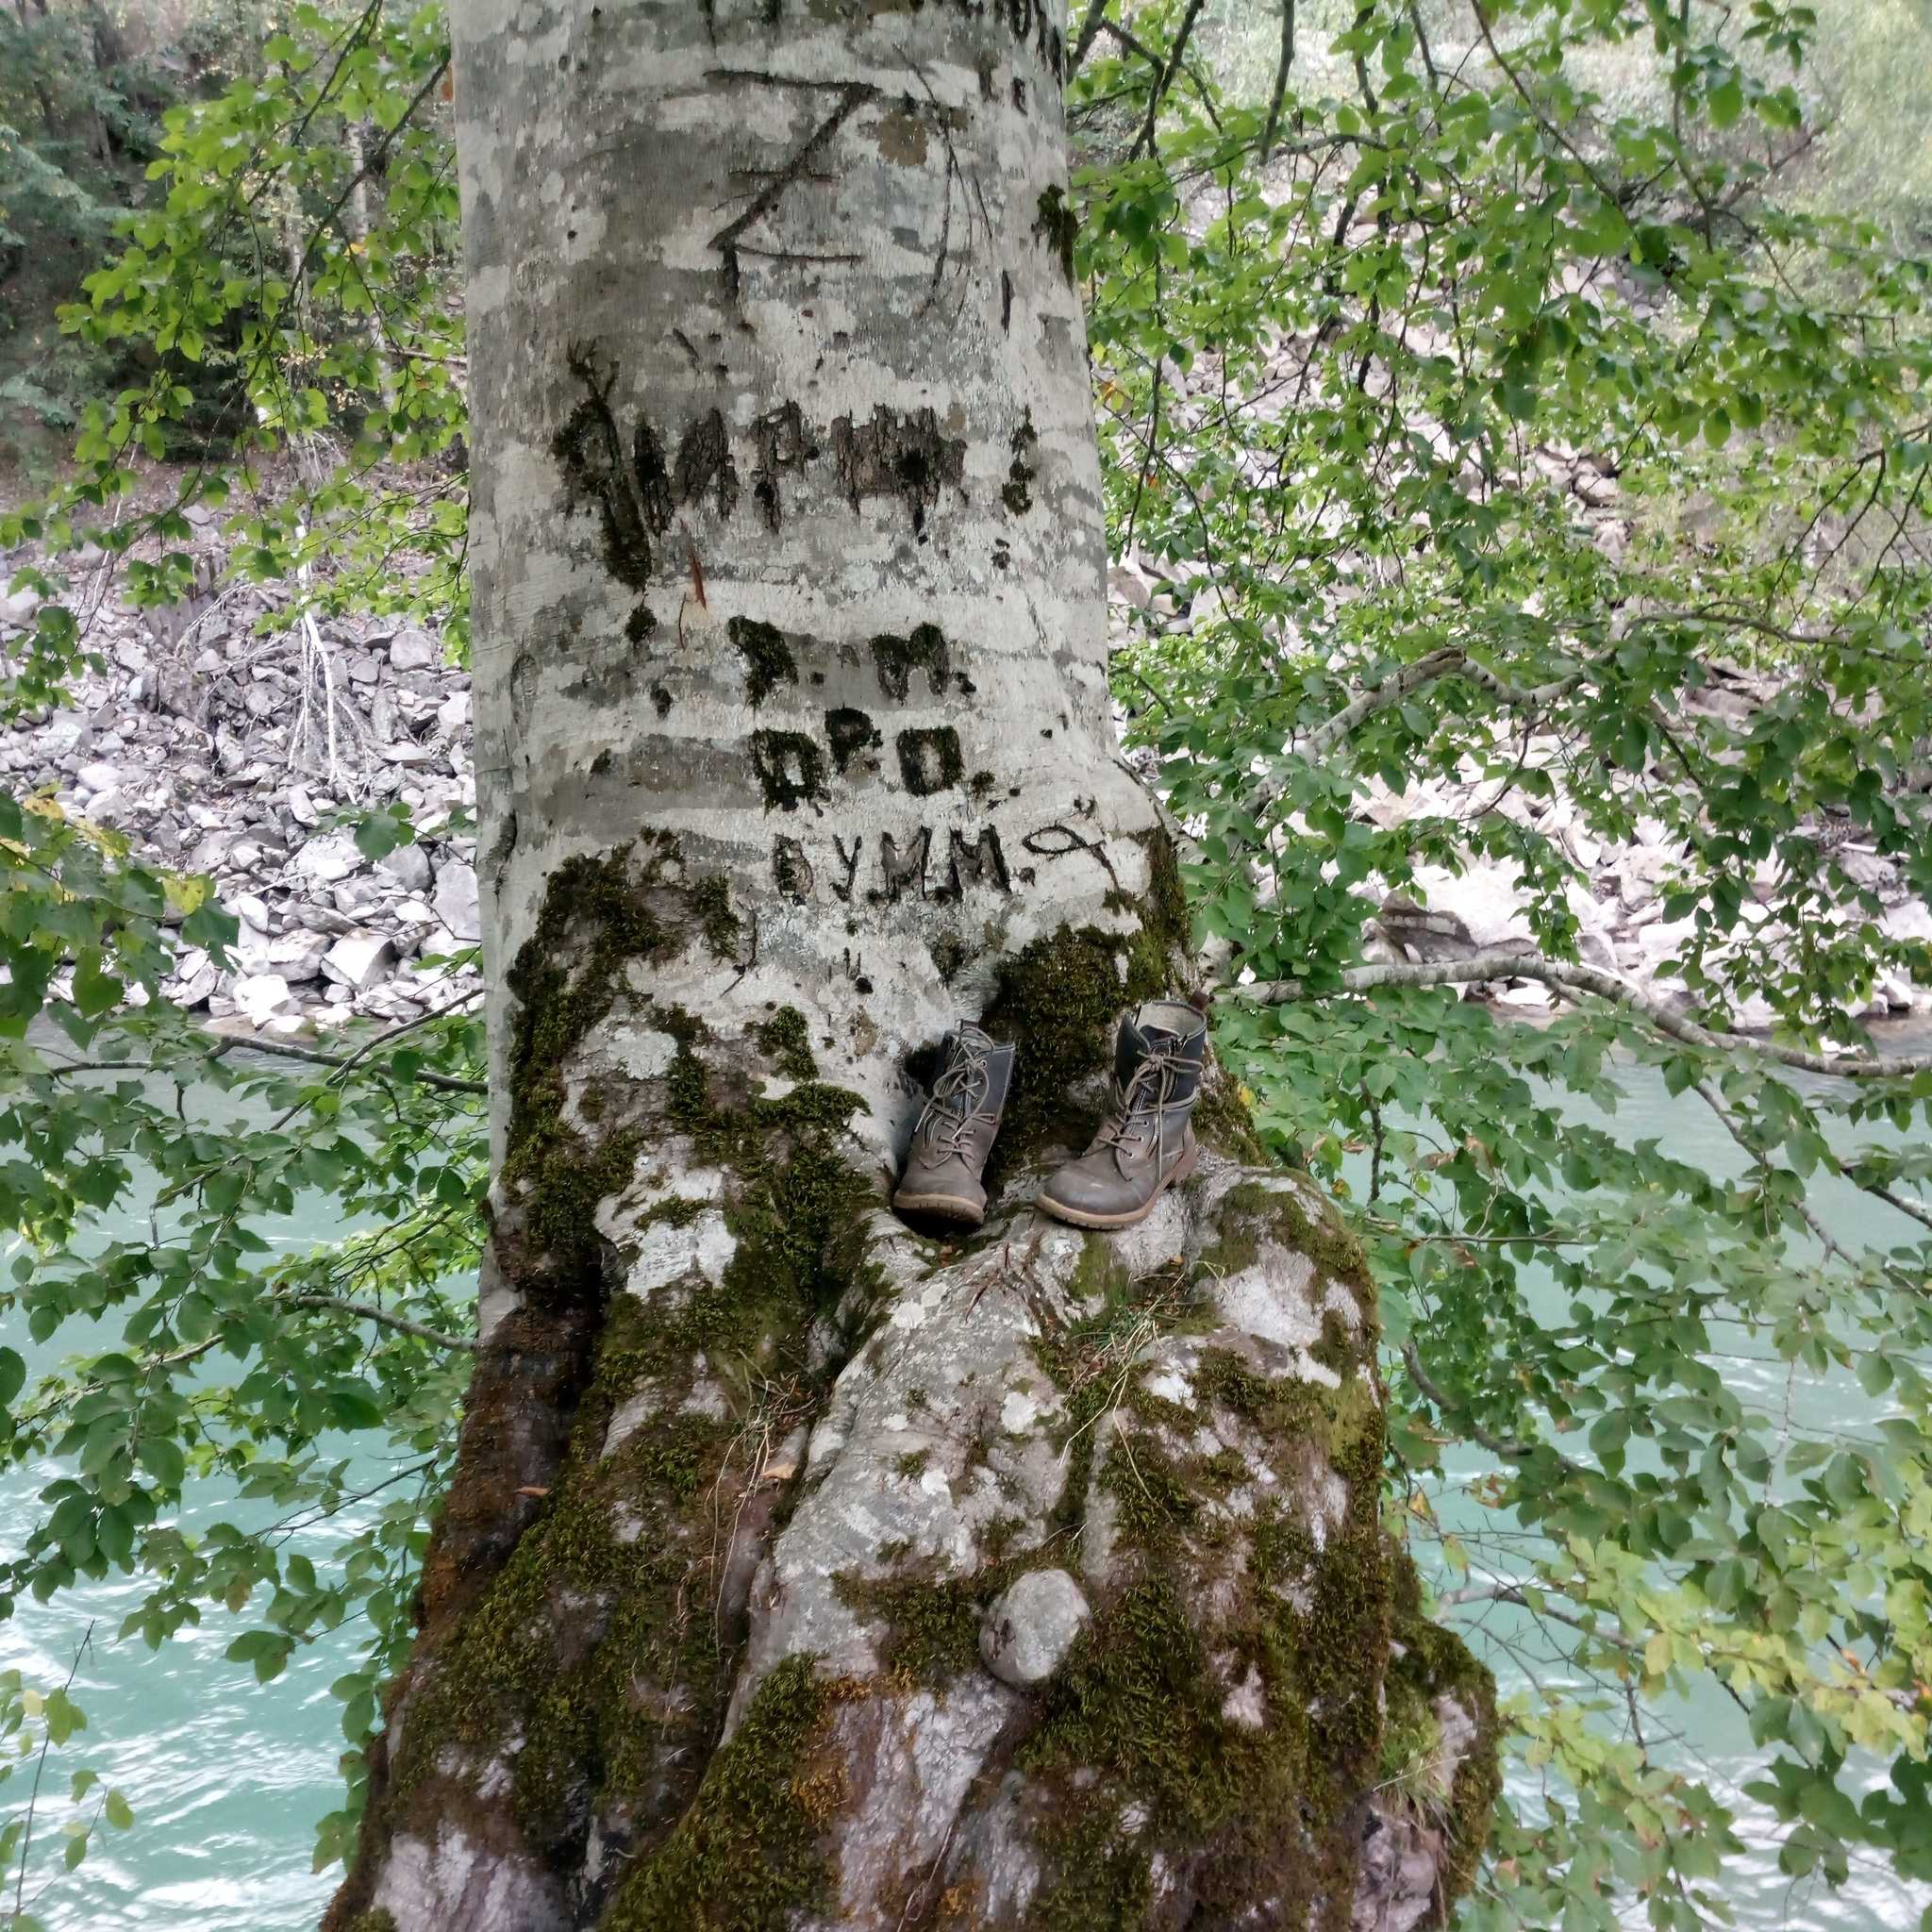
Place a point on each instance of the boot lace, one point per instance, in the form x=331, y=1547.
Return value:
x=957, y=1094
x=1137, y=1105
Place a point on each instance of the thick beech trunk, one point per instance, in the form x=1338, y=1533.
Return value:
x=793, y=745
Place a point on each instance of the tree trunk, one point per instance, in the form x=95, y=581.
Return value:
x=795, y=745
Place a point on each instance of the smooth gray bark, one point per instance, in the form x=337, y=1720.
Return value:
x=817, y=588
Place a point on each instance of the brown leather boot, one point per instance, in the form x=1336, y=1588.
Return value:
x=956, y=1132
x=1146, y=1143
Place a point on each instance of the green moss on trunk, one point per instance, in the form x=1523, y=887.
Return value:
x=749, y=1855
x=600, y=915
x=595, y=1665
x=1435, y=1663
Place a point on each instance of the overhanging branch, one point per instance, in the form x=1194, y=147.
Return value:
x=1391, y=689
x=1500, y=963
x=369, y=1311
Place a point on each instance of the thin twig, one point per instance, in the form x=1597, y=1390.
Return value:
x=1496, y=1445
x=39, y=1767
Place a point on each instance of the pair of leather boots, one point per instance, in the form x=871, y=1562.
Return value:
x=1145, y=1143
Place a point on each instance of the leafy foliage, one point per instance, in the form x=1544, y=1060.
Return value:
x=288, y=1375
x=84, y=85
x=1342, y=402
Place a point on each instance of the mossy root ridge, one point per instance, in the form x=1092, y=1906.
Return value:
x=583, y=1599
x=1209, y=1750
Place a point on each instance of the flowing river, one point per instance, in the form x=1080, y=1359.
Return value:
x=228, y=1777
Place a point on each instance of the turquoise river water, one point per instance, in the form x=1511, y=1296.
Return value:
x=228, y=1777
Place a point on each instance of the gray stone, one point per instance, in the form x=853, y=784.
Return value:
x=99, y=777
x=413, y=650
x=409, y=865
x=298, y=955
x=259, y=996
x=332, y=857
x=359, y=899
x=1031, y=1627
x=360, y=961
x=458, y=904
x=406, y=751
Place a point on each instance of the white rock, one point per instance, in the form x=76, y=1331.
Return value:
x=301, y=807
x=413, y=650
x=250, y=948
x=356, y=899
x=18, y=607
x=439, y=943
x=458, y=904
x=298, y=955
x=259, y=996
x=360, y=959
x=1530, y=992
x=190, y=987
x=453, y=714
x=406, y=751
x=325, y=859
x=1031, y=1627
x=386, y=1003
x=97, y=777
x=1911, y=921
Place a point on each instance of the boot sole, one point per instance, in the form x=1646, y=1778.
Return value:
x=947, y=1207
x=1081, y=1217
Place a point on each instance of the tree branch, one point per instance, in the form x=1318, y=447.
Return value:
x=368, y=1311
x=1498, y=963
x=1496, y=1445
x=1083, y=44
x=288, y=1050
x=1513, y=1593
x=1893, y=1200
x=1165, y=80
x=1714, y=1100
x=1280, y=93
x=1393, y=686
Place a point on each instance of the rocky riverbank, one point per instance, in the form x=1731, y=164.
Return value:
x=223, y=747
x=220, y=748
